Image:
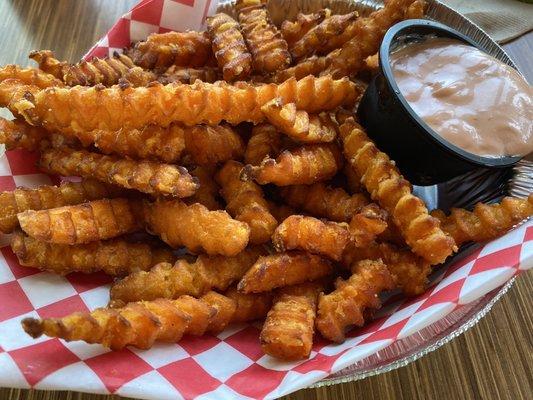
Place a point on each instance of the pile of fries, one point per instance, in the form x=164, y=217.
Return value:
x=237, y=151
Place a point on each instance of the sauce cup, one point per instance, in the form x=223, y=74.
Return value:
x=423, y=156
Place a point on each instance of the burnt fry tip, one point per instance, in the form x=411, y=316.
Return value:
x=247, y=173
x=32, y=327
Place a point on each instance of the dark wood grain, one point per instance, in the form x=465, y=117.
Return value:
x=493, y=360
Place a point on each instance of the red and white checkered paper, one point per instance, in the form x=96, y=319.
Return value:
x=230, y=365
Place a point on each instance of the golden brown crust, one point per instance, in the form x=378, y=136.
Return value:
x=386, y=185
x=198, y=228
x=45, y=197
x=245, y=202
x=249, y=307
x=409, y=271
x=367, y=224
x=269, y=50
x=344, y=307
x=322, y=201
x=318, y=39
x=288, y=330
x=82, y=108
x=207, y=193
x=293, y=31
x=29, y=76
x=188, y=75
x=313, y=65
x=313, y=235
x=283, y=269
x=145, y=176
x=486, y=221
x=229, y=47
x=207, y=145
x=17, y=134
x=298, y=124
x=161, y=50
x=264, y=142
x=48, y=63
x=193, y=278
x=82, y=223
x=114, y=257
x=303, y=166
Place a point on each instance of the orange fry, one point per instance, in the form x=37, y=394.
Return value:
x=293, y=31
x=288, y=330
x=17, y=134
x=249, y=307
x=115, y=108
x=29, y=76
x=195, y=227
x=44, y=197
x=264, y=142
x=283, y=269
x=48, y=63
x=269, y=49
x=486, y=221
x=386, y=185
x=245, y=202
x=188, y=75
x=367, y=224
x=82, y=223
x=145, y=176
x=298, y=124
x=303, y=166
x=197, y=278
x=323, y=201
x=229, y=47
x=344, y=307
x=114, y=257
x=207, y=192
x=313, y=235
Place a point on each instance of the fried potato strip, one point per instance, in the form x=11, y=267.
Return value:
x=29, y=76
x=264, y=142
x=293, y=31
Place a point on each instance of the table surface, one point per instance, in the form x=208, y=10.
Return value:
x=493, y=360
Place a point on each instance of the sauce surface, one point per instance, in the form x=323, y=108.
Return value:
x=468, y=97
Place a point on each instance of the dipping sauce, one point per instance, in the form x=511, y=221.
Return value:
x=468, y=97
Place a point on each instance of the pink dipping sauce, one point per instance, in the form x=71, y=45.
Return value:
x=468, y=97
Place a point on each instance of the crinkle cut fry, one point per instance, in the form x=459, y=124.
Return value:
x=48, y=63
x=485, y=221
x=268, y=48
x=198, y=229
x=249, y=307
x=229, y=47
x=288, y=330
x=367, y=224
x=293, y=31
x=208, y=145
x=313, y=235
x=114, y=257
x=161, y=50
x=317, y=39
x=409, y=271
x=193, y=278
x=171, y=281
x=188, y=75
x=145, y=176
x=345, y=306
x=264, y=142
x=303, y=166
x=17, y=134
x=386, y=185
x=45, y=197
x=284, y=269
x=323, y=201
x=82, y=223
x=29, y=76
x=67, y=109
x=245, y=201
x=298, y=124
x=207, y=193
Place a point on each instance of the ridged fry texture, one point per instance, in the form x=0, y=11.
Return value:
x=45, y=197
x=264, y=142
x=193, y=278
x=145, y=176
x=82, y=108
x=284, y=269
x=114, y=257
x=323, y=201
x=367, y=224
x=486, y=221
x=82, y=223
x=293, y=31
x=17, y=134
x=313, y=235
x=207, y=193
x=344, y=307
x=386, y=185
x=245, y=202
x=298, y=124
x=288, y=330
x=303, y=166
x=48, y=63
x=188, y=75
x=269, y=50
x=29, y=76
x=195, y=227
x=229, y=47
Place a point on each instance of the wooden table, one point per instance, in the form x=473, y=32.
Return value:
x=493, y=360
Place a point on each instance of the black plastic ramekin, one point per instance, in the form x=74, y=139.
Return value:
x=423, y=156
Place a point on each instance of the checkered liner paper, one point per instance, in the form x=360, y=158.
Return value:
x=230, y=365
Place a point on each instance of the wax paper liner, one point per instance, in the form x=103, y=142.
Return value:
x=230, y=365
